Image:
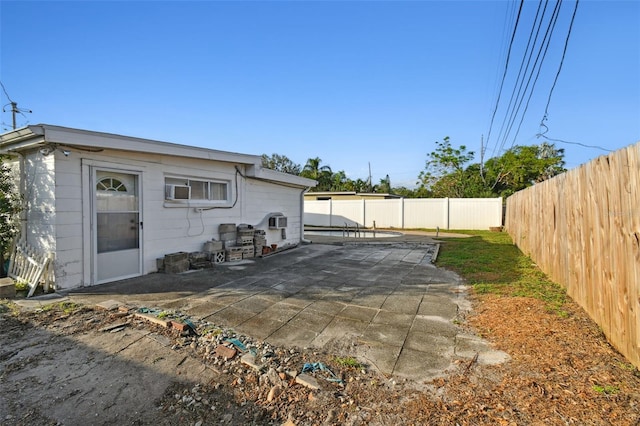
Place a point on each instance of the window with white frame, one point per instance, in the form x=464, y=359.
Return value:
x=183, y=190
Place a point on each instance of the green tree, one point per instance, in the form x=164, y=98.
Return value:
x=323, y=174
x=281, y=163
x=9, y=208
x=339, y=181
x=385, y=185
x=523, y=166
x=444, y=174
x=405, y=192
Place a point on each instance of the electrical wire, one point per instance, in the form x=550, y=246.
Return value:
x=564, y=52
x=5, y=92
x=574, y=143
x=504, y=74
x=534, y=57
x=503, y=134
x=545, y=45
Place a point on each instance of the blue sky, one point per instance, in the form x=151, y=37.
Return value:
x=354, y=83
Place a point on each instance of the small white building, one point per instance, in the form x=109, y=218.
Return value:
x=107, y=206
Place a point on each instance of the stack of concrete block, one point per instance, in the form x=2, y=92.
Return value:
x=200, y=260
x=212, y=246
x=234, y=254
x=176, y=262
x=218, y=256
x=228, y=234
x=245, y=240
x=259, y=240
x=215, y=250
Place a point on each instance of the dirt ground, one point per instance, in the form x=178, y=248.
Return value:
x=73, y=365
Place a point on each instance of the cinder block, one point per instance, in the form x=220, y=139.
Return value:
x=218, y=257
x=176, y=257
x=227, y=227
x=177, y=267
x=212, y=246
x=7, y=288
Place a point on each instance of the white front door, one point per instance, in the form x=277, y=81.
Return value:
x=116, y=225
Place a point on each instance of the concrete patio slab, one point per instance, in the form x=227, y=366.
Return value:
x=358, y=313
x=402, y=304
x=386, y=334
x=384, y=303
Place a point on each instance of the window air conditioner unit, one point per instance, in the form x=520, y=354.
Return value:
x=277, y=222
x=177, y=192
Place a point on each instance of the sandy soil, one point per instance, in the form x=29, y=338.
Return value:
x=73, y=365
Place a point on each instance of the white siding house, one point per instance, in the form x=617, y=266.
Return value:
x=108, y=206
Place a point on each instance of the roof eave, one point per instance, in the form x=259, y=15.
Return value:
x=261, y=173
x=29, y=136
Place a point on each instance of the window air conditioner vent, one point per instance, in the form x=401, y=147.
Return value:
x=277, y=222
x=177, y=192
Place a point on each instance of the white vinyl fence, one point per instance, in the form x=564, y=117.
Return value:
x=407, y=213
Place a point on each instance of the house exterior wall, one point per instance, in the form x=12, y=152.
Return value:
x=167, y=227
x=69, y=245
x=263, y=199
x=39, y=205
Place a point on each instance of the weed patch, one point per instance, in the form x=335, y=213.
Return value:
x=492, y=264
x=348, y=362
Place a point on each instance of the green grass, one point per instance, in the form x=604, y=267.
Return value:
x=66, y=307
x=348, y=362
x=606, y=389
x=492, y=264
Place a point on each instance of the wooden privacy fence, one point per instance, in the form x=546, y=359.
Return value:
x=29, y=266
x=445, y=213
x=583, y=229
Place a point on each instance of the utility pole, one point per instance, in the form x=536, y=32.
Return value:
x=482, y=157
x=14, y=111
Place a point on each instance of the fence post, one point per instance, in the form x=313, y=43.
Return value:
x=402, y=213
x=364, y=213
x=330, y=212
x=446, y=213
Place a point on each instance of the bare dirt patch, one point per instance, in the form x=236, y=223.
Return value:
x=562, y=372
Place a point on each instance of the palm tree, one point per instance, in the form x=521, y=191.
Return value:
x=313, y=170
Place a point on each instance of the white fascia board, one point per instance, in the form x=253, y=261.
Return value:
x=259, y=172
x=332, y=193
x=84, y=138
x=30, y=136
x=20, y=139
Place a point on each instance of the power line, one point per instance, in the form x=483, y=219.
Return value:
x=525, y=82
x=564, y=52
x=506, y=67
x=14, y=106
x=539, y=59
x=519, y=82
x=5, y=91
x=574, y=143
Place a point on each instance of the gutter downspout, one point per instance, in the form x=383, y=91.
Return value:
x=302, y=239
